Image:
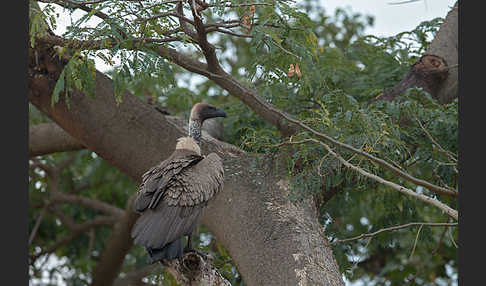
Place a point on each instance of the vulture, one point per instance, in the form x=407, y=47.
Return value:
x=173, y=194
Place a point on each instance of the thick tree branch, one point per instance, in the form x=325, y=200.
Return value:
x=133, y=137
x=208, y=49
x=183, y=22
x=46, y=138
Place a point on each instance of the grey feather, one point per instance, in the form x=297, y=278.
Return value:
x=170, y=251
x=171, y=199
x=199, y=183
x=158, y=227
x=156, y=180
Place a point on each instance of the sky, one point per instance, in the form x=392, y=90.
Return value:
x=390, y=19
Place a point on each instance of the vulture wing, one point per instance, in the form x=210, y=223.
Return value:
x=155, y=181
x=172, y=196
x=196, y=185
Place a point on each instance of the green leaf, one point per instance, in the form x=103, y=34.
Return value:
x=58, y=88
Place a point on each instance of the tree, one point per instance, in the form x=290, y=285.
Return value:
x=320, y=158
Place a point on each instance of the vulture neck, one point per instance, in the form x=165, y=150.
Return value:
x=195, y=130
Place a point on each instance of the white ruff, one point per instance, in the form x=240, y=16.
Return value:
x=188, y=143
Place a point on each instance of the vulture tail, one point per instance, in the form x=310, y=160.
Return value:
x=170, y=251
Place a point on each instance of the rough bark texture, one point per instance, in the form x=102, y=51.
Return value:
x=272, y=241
x=437, y=71
x=195, y=270
x=429, y=73
x=46, y=138
x=445, y=45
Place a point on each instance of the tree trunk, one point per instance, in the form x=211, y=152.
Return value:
x=445, y=45
x=272, y=241
x=436, y=71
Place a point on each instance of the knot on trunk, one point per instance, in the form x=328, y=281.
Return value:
x=192, y=264
x=195, y=268
x=429, y=73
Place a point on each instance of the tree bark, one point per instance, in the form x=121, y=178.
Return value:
x=436, y=71
x=445, y=45
x=196, y=270
x=272, y=241
x=46, y=138
x=429, y=73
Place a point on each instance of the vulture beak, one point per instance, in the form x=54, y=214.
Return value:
x=219, y=113
x=211, y=111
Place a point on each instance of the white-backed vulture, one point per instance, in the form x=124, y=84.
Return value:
x=173, y=194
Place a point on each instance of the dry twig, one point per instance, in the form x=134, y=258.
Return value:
x=364, y=235
x=448, y=210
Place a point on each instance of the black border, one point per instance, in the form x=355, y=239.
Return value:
x=471, y=142
x=14, y=117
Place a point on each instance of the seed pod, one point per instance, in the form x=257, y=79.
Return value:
x=297, y=70
x=291, y=70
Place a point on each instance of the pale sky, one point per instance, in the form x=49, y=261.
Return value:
x=392, y=19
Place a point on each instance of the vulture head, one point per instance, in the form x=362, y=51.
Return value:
x=200, y=112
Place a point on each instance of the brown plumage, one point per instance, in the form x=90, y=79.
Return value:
x=172, y=196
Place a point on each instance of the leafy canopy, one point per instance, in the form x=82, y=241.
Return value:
x=320, y=68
